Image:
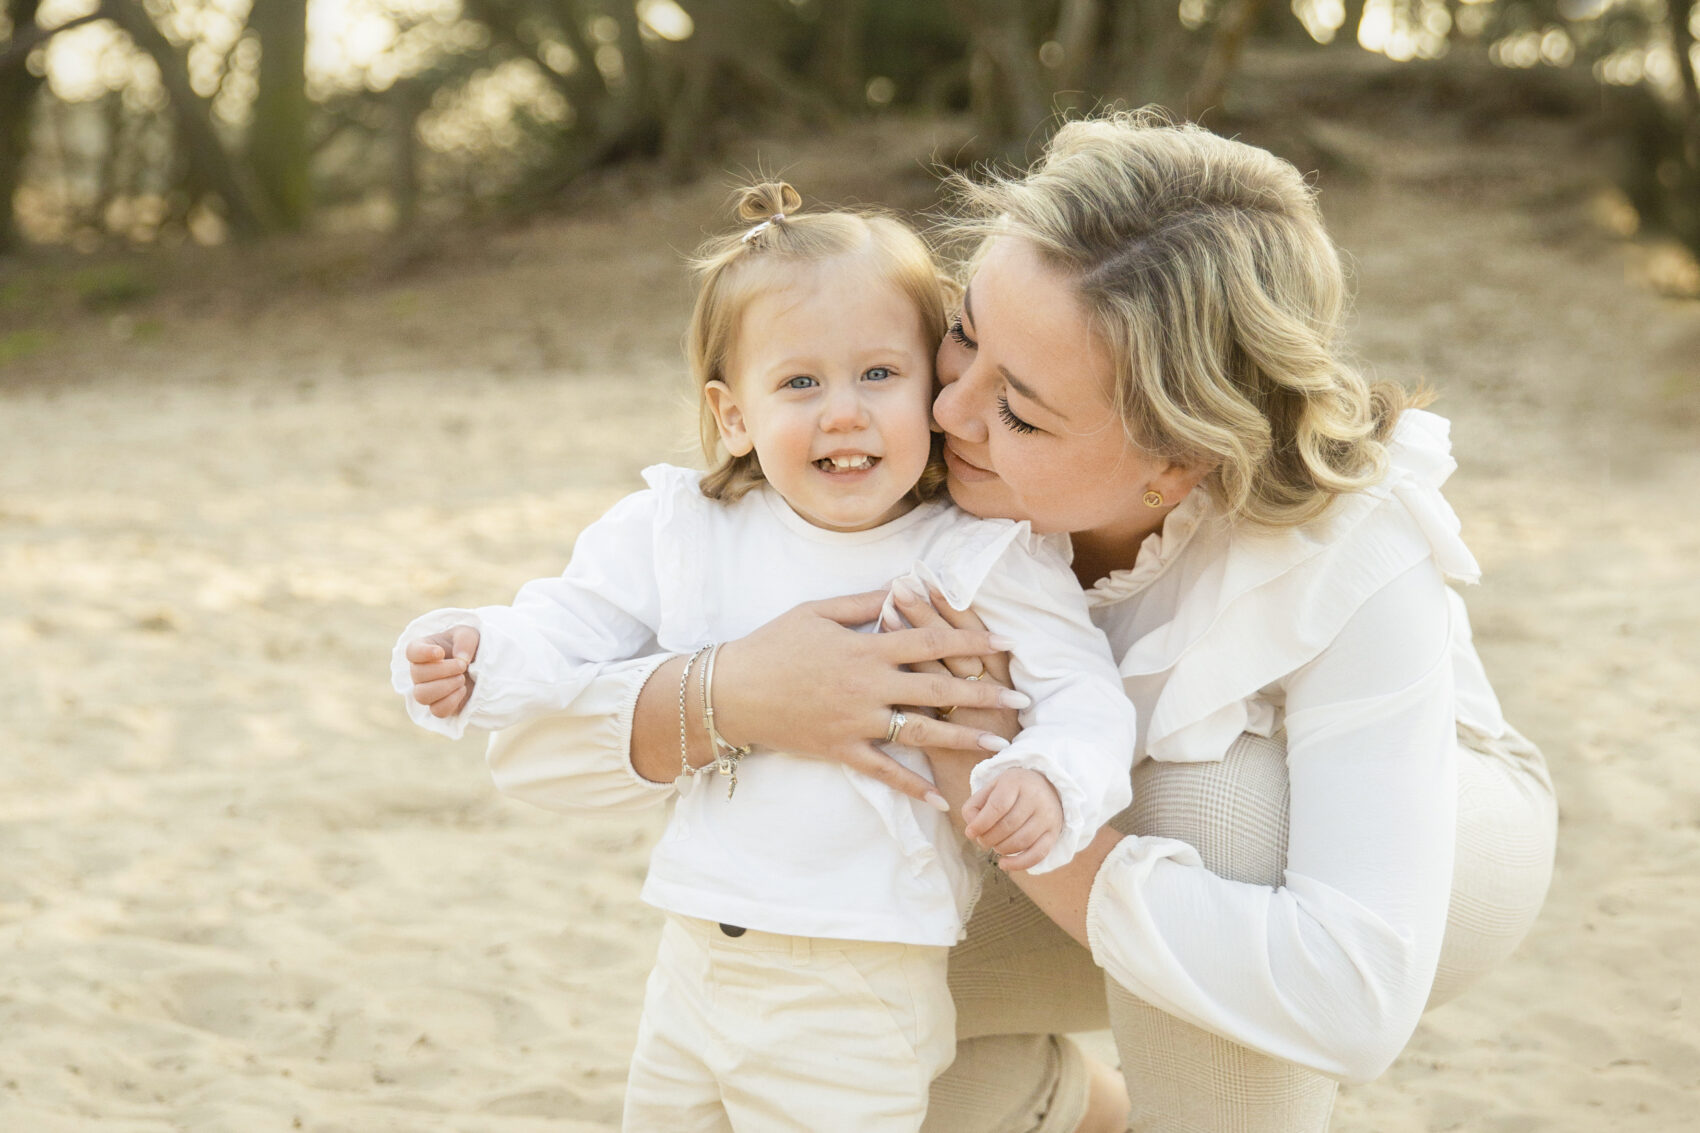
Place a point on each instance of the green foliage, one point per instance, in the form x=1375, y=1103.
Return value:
x=109, y=286
x=17, y=345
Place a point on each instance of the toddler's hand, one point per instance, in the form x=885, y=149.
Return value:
x=438, y=666
x=1018, y=814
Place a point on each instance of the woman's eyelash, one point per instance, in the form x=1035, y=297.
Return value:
x=1010, y=419
x=959, y=334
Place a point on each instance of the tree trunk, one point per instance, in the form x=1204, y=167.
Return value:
x=277, y=138
x=841, y=52
x=1226, y=45
x=209, y=163
x=406, y=100
x=1685, y=194
x=18, y=88
x=1078, y=23
x=1011, y=100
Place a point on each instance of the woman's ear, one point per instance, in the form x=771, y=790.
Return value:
x=728, y=418
x=1177, y=480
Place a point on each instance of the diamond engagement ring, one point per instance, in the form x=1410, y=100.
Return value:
x=898, y=719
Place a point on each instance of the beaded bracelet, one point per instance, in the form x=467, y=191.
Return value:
x=685, y=767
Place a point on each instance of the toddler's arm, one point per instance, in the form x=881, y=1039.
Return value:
x=500, y=665
x=1079, y=734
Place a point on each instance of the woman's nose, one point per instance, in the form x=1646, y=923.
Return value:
x=953, y=411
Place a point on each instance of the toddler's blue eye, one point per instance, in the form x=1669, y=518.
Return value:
x=877, y=374
x=801, y=381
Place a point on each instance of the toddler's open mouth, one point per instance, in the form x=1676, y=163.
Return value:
x=861, y=462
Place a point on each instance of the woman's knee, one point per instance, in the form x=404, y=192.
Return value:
x=1507, y=835
x=1233, y=811
x=1017, y=973
x=1014, y=1084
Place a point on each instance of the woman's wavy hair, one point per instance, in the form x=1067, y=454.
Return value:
x=732, y=270
x=1206, y=267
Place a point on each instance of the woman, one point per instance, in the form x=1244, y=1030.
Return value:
x=1146, y=357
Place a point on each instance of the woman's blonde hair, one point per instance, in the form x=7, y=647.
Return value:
x=734, y=269
x=1206, y=268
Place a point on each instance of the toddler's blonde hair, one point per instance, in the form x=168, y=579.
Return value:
x=732, y=270
x=1207, y=270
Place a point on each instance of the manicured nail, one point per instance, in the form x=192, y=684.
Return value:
x=936, y=801
x=1009, y=698
x=1001, y=643
x=993, y=743
x=905, y=591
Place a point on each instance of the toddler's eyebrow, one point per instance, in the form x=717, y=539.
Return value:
x=1015, y=383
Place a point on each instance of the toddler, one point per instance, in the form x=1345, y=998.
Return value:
x=800, y=981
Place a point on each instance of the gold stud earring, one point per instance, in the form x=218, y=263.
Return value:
x=1153, y=498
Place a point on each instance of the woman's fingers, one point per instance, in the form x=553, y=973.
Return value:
x=929, y=609
x=851, y=610
x=926, y=732
x=936, y=642
x=938, y=690
x=876, y=764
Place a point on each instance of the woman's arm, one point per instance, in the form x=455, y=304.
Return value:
x=1331, y=969
x=802, y=683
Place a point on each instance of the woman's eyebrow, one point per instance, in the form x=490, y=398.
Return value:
x=1015, y=383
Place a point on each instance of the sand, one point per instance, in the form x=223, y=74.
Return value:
x=242, y=893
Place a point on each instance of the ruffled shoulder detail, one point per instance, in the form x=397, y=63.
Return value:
x=958, y=560
x=681, y=532
x=1155, y=554
x=1265, y=602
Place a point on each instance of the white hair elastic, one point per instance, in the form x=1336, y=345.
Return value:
x=762, y=227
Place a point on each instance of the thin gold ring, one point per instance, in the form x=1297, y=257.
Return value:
x=944, y=713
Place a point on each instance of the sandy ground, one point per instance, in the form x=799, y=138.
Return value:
x=241, y=893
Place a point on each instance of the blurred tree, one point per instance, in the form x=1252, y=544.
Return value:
x=209, y=167
x=277, y=147
x=18, y=88
x=1682, y=210
x=508, y=102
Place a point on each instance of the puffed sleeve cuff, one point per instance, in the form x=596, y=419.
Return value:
x=1114, y=903
x=1086, y=806
x=401, y=679
x=580, y=759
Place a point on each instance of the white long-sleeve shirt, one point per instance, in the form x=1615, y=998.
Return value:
x=806, y=847
x=1342, y=632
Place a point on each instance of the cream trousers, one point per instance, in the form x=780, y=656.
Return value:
x=763, y=1033
x=1021, y=983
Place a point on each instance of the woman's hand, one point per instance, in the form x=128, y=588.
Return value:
x=806, y=683
x=952, y=766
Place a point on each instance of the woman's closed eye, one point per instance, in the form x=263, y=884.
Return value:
x=959, y=334
x=1010, y=419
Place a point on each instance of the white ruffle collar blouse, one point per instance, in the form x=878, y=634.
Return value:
x=1213, y=614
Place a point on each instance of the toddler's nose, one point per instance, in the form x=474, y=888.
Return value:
x=843, y=410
